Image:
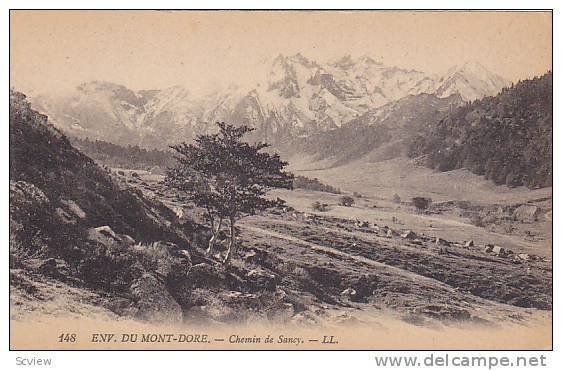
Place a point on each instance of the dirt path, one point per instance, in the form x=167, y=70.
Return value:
x=466, y=272
x=450, y=296
x=357, y=258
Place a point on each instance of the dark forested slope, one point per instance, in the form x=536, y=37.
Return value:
x=506, y=138
x=132, y=157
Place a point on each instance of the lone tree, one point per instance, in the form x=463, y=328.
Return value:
x=227, y=177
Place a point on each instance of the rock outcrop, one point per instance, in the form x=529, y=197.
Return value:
x=154, y=302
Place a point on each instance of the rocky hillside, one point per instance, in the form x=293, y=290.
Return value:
x=506, y=138
x=73, y=223
x=296, y=97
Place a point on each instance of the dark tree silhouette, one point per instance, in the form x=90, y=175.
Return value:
x=227, y=177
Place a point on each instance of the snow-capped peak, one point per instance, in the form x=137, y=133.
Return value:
x=291, y=95
x=471, y=80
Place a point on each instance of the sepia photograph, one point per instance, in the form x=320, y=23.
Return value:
x=280, y=180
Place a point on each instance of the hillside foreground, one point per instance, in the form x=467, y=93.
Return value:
x=114, y=247
x=379, y=267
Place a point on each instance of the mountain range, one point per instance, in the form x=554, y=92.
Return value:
x=296, y=98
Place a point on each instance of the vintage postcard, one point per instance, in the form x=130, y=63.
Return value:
x=280, y=180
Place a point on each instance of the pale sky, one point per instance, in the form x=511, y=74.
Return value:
x=57, y=50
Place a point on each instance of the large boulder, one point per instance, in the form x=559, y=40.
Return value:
x=73, y=208
x=206, y=306
x=261, y=279
x=497, y=250
x=524, y=257
x=203, y=275
x=110, y=239
x=154, y=302
x=106, y=236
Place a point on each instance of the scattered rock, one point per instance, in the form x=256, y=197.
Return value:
x=105, y=235
x=469, y=243
x=179, y=212
x=389, y=233
x=250, y=255
x=236, y=298
x=524, y=257
x=497, y=250
x=207, y=307
x=167, y=259
x=409, y=234
x=359, y=223
x=54, y=267
x=309, y=217
x=360, y=288
x=205, y=275
x=281, y=312
x=262, y=279
x=349, y=293
x=154, y=302
x=64, y=216
x=441, y=241
x=305, y=318
x=122, y=307
x=74, y=208
x=184, y=254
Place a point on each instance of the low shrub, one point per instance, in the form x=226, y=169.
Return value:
x=320, y=207
x=346, y=201
x=421, y=203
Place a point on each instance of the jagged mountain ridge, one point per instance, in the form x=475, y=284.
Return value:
x=297, y=98
x=381, y=133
